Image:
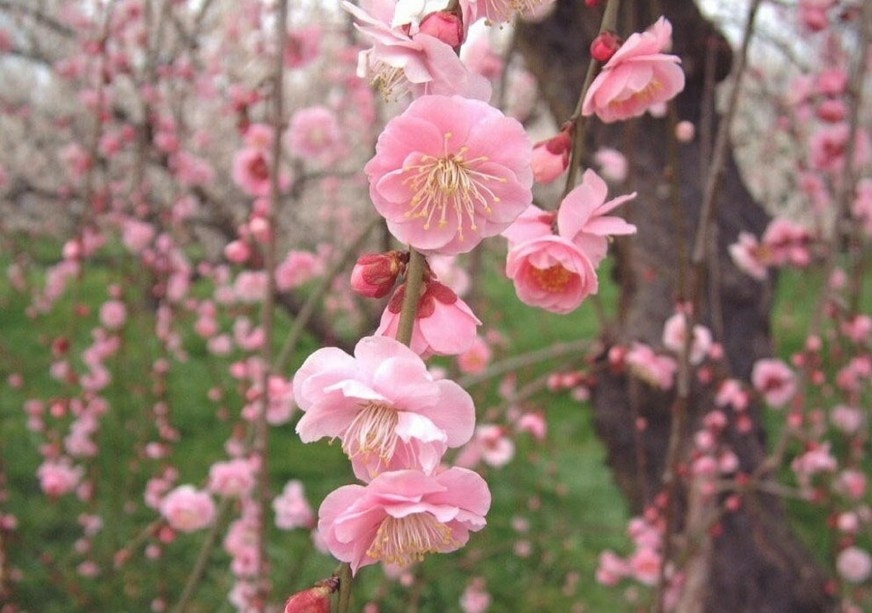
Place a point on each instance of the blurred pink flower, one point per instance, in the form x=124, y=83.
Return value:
x=551, y=157
x=854, y=564
x=750, y=256
x=384, y=406
x=475, y=598
x=187, y=509
x=297, y=268
x=675, y=335
x=774, y=380
x=612, y=164
x=314, y=135
x=636, y=77
x=403, y=515
x=292, y=509
x=449, y=172
x=444, y=324
x=233, y=478
x=475, y=359
x=59, y=477
x=113, y=314
x=302, y=46
x=656, y=370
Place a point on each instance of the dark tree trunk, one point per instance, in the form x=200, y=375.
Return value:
x=756, y=564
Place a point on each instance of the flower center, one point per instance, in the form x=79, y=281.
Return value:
x=387, y=79
x=449, y=183
x=403, y=540
x=372, y=431
x=258, y=168
x=553, y=279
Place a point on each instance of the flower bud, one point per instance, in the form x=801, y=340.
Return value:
x=375, y=274
x=604, y=46
x=444, y=25
x=551, y=157
x=314, y=600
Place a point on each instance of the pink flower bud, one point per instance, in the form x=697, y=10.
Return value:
x=604, y=46
x=375, y=274
x=314, y=600
x=551, y=157
x=444, y=25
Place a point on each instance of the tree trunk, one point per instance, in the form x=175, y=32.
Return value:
x=756, y=564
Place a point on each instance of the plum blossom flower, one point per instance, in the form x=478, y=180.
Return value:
x=449, y=172
x=403, y=515
x=291, y=507
x=854, y=564
x=415, y=60
x=774, y=380
x=656, y=370
x=637, y=77
x=675, y=335
x=233, y=478
x=444, y=324
x=59, y=477
x=188, y=509
x=383, y=404
x=750, y=256
x=557, y=272
x=314, y=134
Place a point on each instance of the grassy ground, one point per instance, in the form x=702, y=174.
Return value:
x=559, y=488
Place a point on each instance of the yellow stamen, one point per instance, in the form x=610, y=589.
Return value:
x=404, y=540
x=553, y=279
x=372, y=431
x=446, y=183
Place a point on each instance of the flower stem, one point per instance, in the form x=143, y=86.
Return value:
x=345, y=581
x=609, y=22
x=414, y=280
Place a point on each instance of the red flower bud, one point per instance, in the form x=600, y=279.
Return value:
x=551, y=157
x=314, y=600
x=375, y=274
x=592, y=3
x=604, y=46
x=444, y=25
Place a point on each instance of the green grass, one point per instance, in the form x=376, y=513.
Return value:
x=560, y=487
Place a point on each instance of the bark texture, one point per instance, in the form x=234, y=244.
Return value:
x=756, y=564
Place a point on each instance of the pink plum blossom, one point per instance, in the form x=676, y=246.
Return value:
x=188, y=509
x=297, y=268
x=612, y=164
x=383, y=404
x=774, y=380
x=291, y=507
x=416, y=61
x=113, y=314
x=475, y=359
x=475, y=598
x=444, y=324
x=59, y=477
x=636, y=77
x=403, y=515
x=854, y=564
x=551, y=273
x=656, y=370
x=558, y=272
x=551, y=157
x=675, y=336
x=749, y=256
x=233, y=478
x=314, y=135
x=450, y=171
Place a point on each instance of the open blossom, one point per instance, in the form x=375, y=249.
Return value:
x=675, y=335
x=187, y=509
x=656, y=370
x=636, y=77
x=59, y=477
x=291, y=507
x=444, y=324
x=233, y=478
x=403, y=515
x=854, y=564
x=383, y=404
x=413, y=60
x=314, y=134
x=774, y=380
x=557, y=272
x=449, y=172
